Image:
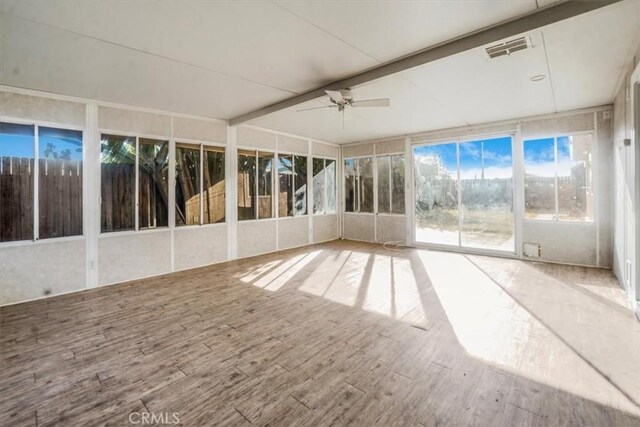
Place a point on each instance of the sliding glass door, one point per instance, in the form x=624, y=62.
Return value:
x=464, y=194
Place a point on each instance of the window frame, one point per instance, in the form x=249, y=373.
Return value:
x=274, y=184
x=293, y=156
x=357, y=186
x=136, y=206
x=36, y=171
x=594, y=163
x=377, y=181
x=202, y=145
x=326, y=186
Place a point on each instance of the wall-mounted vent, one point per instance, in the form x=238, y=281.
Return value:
x=508, y=47
x=531, y=250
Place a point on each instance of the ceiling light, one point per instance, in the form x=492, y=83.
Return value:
x=538, y=78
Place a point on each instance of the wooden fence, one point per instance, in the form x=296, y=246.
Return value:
x=118, y=198
x=59, y=204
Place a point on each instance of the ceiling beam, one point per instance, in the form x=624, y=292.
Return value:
x=531, y=21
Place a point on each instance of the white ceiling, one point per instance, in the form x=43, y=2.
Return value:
x=582, y=58
x=222, y=59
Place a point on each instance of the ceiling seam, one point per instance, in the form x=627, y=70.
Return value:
x=75, y=33
x=327, y=32
x=546, y=57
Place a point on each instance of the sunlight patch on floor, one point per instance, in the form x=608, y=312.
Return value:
x=257, y=272
x=492, y=326
x=281, y=275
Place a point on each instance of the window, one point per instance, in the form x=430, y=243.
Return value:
x=265, y=185
x=464, y=193
x=391, y=184
x=324, y=186
x=214, y=185
x=247, y=178
x=300, y=183
x=285, y=185
x=292, y=179
x=56, y=159
x=153, y=183
x=359, y=185
x=558, y=181
x=200, y=184
x=134, y=183
x=255, y=185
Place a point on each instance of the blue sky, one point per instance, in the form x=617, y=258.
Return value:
x=17, y=141
x=497, y=157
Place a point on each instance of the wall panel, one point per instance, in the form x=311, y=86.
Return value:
x=289, y=144
x=359, y=227
x=325, y=227
x=318, y=149
x=200, y=130
x=391, y=228
x=293, y=232
x=558, y=125
x=389, y=147
x=135, y=122
x=200, y=245
x=43, y=109
x=256, y=237
x=131, y=256
x=572, y=243
x=36, y=270
x=255, y=138
x=357, y=150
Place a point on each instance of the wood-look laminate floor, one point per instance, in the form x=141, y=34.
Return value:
x=332, y=334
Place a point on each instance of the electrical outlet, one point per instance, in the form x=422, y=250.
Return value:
x=606, y=115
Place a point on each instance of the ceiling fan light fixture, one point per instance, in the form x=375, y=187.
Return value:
x=537, y=78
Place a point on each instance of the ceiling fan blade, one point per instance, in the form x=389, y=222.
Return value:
x=335, y=95
x=380, y=102
x=317, y=108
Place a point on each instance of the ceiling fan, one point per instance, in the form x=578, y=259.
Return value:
x=342, y=98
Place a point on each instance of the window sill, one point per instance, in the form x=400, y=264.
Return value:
x=19, y=243
x=196, y=226
x=556, y=221
x=249, y=221
x=123, y=233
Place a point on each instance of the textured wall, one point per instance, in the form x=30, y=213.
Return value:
x=572, y=243
x=319, y=149
x=255, y=138
x=391, y=228
x=556, y=125
x=35, y=270
x=463, y=132
x=325, y=227
x=391, y=146
x=44, y=109
x=289, y=144
x=137, y=122
x=359, y=227
x=129, y=256
x=200, y=130
x=256, y=237
x=357, y=150
x=293, y=232
x=198, y=246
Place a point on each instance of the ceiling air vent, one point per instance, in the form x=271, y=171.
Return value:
x=508, y=47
